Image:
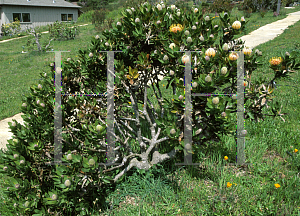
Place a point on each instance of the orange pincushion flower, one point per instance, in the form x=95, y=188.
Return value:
x=174, y=28
x=275, y=60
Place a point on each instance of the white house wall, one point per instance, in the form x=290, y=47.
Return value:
x=39, y=16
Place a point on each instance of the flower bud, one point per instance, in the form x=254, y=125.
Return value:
x=180, y=97
x=26, y=204
x=159, y=7
x=22, y=161
x=158, y=22
x=185, y=59
x=97, y=37
x=91, y=55
x=15, y=205
x=201, y=38
x=195, y=10
x=178, y=13
x=39, y=86
x=17, y=186
x=194, y=27
x=5, y=168
x=287, y=53
x=51, y=64
x=212, y=36
x=69, y=157
x=207, y=58
x=67, y=183
x=172, y=45
x=208, y=79
x=186, y=32
x=173, y=7
x=99, y=128
x=118, y=23
x=35, y=146
x=224, y=70
x=165, y=58
x=106, y=44
x=132, y=9
x=14, y=124
x=172, y=131
x=68, y=59
x=53, y=197
x=137, y=20
x=15, y=140
x=24, y=105
x=196, y=23
x=195, y=84
x=242, y=19
x=189, y=40
x=42, y=104
x=38, y=102
x=206, y=18
x=171, y=73
x=215, y=100
x=91, y=162
x=45, y=74
x=16, y=155
x=129, y=11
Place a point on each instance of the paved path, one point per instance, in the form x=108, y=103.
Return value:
x=259, y=36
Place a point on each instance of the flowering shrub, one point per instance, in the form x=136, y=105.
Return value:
x=141, y=130
x=11, y=28
x=63, y=31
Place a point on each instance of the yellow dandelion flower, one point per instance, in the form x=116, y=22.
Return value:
x=174, y=28
x=295, y=150
x=275, y=60
x=229, y=185
x=129, y=102
x=277, y=185
x=225, y=158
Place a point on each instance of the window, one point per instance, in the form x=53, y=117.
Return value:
x=25, y=17
x=70, y=17
x=16, y=16
x=22, y=17
x=66, y=17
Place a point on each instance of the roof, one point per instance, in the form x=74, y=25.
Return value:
x=43, y=3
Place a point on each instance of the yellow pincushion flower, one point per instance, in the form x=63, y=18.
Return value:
x=174, y=28
x=228, y=184
x=233, y=56
x=296, y=150
x=275, y=60
x=247, y=51
x=225, y=158
x=236, y=25
x=210, y=52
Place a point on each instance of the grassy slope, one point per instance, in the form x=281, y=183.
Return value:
x=266, y=144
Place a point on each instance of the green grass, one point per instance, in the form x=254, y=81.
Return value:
x=193, y=190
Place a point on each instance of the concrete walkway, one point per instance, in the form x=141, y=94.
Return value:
x=259, y=36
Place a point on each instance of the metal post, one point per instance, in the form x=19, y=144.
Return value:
x=278, y=6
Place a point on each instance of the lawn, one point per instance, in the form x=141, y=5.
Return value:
x=176, y=190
